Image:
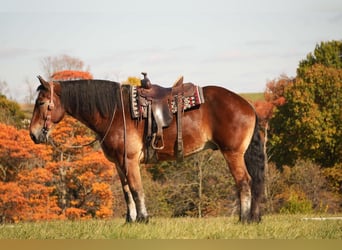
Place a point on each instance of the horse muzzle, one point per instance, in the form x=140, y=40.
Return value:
x=41, y=137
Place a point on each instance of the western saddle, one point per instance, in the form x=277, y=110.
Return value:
x=157, y=105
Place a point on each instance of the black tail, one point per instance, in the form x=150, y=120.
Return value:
x=255, y=162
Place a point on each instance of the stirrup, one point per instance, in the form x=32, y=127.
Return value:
x=155, y=142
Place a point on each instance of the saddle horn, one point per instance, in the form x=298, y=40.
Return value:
x=178, y=82
x=145, y=83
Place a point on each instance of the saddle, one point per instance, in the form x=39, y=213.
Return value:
x=157, y=105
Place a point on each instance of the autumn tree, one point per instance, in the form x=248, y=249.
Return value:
x=53, y=64
x=71, y=75
x=308, y=125
x=82, y=175
x=18, y=152
x=25, y=190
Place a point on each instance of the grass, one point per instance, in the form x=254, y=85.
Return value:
x=253, y=96
x=272, y=227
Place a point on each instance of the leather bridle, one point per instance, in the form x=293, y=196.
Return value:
x=50, y=107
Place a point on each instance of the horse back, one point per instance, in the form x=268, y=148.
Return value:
x=225, y=120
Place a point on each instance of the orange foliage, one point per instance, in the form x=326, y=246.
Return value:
x=12, y=202
x=74, y=213
x=41, y=202
x=74, y=183
x=18, y=152
x=275, y=89
x=274, y=96
x=41, y=182
x=264, y=109
x=71, y=75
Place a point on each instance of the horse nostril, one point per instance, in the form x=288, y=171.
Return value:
x=33, y=137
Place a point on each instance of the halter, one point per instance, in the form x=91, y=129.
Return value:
x=51, y=106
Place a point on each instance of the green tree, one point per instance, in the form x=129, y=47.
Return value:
x=326, y=53
x=308, y=125
x=10, y=112
x=132, y=80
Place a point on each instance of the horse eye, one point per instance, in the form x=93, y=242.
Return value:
x=41, y=103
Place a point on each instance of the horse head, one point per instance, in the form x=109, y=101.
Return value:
x=47, y=111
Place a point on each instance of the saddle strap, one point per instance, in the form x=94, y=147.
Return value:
x=180, y=152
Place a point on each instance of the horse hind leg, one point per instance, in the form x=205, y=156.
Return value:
x=242, y=179
x=255, y=162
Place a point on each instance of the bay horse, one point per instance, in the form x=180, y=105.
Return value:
x=225, y=122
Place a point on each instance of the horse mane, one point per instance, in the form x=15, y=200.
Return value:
x=90, y=96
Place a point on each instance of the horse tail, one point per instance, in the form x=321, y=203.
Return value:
x=255, y=162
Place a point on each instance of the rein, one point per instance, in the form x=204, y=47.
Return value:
x=125, y=132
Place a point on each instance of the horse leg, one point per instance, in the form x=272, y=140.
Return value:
x=131, y=214
x=242, y=179
x=136, y=188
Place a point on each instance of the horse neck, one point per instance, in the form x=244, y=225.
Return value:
x=94, y=122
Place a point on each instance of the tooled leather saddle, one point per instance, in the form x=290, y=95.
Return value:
x=158, y=105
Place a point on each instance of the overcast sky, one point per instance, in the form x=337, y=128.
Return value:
x=236, y=44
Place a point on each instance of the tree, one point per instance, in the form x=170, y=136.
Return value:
x=18, y=153
x=328, y=54
x=308, y=125
x=51, y=65
x=82, y=175
x=12, y=202
x=11, y=113
x=25, y=190
x=3, y=88
x=200, y=186
x=132, y=80
x=71, y=75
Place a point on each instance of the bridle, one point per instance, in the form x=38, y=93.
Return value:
x=50, y=107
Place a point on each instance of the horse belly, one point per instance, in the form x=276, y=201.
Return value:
x=195, y=135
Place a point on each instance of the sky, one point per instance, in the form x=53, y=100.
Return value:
x=239, y=45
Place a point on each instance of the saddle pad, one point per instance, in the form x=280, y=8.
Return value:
x=139, y=110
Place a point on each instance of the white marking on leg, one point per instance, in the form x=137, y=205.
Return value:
x=132, y=211
x=143, y=209
x=245, y=202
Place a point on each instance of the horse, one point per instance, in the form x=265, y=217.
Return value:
x=225, y=122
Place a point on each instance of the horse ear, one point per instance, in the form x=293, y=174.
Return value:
x=178, y=82
x=43, y=82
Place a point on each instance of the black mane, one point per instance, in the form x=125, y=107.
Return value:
x=90, y=96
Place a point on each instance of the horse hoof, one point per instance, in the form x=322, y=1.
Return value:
x=143, y=219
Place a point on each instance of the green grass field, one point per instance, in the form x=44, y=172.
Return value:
x=253, y=96
x=272, y=227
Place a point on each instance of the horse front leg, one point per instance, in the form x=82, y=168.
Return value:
x=137, y=191
x=131, y=214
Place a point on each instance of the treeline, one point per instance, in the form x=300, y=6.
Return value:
x=301, y=126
